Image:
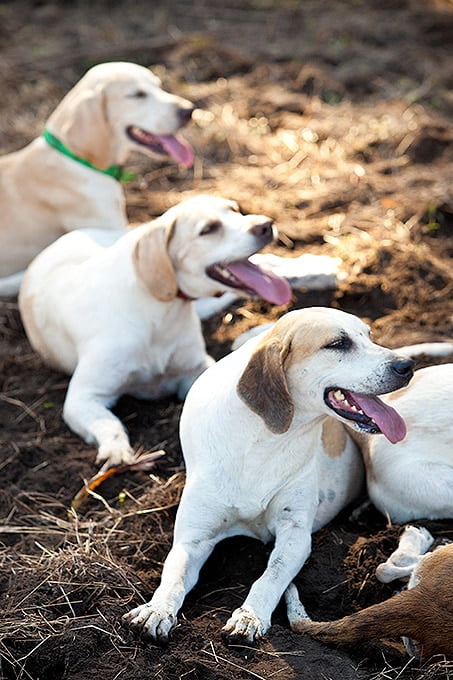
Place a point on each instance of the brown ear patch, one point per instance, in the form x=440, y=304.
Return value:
x=263, y=386
x=152, y=262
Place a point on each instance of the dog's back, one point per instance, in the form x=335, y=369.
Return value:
x=47, y=285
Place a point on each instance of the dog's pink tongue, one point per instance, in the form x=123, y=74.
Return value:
x=177, y=148
x=267, y=285
x=389, y=421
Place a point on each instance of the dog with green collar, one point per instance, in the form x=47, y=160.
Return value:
x=70, y=177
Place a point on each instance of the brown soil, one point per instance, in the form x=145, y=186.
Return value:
x=333, y=117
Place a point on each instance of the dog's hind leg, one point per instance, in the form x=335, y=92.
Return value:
x=295, y=610
x=413, y=544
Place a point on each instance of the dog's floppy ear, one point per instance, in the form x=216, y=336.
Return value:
x=152, y=262
x=263, y=385
x=81, y=122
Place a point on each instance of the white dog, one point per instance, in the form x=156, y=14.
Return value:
x=265, y=457
x=68, y=179
x=118, y=314
x=423, y=611
x=415, y=480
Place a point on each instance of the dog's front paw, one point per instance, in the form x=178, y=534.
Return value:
x=244, y=626
x=151, y=622
x=114, y=452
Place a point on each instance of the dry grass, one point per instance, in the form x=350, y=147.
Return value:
x=90, y=578
x=435, y=669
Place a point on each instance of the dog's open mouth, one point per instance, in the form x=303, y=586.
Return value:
x=368, y=414
x=164, y=145
x=253, y=280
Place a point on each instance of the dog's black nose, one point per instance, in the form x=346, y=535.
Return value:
x=404, y=368
x=264, y=230
x=185, y=114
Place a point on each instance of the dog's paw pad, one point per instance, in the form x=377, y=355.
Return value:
x=243, y=626
x=114, y=453
x=151, y=622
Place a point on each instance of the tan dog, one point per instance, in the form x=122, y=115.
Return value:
x=70, y=179
x=267, y=455
x=116, y=310
x=423, y=613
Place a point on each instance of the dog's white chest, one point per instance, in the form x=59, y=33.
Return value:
x=151, y=372
x=160, y=358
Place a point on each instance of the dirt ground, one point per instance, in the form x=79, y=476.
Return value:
x=333, y=117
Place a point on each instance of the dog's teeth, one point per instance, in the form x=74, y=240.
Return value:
x=142, y=135
x=226, y=274
x=353, y=408
x=338, y=394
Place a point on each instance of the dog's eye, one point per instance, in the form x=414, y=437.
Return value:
x=140, y=94
x=344, y=342
x=211, y=228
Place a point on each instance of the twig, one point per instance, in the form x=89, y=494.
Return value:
x=10, y=659
x=151, y=510
x=32, y=591
x=265, y=651
x=337, y=585
x=22, y=658
x=24, y=407
x=213, y=651
x=231, y=663
x=143, y=462
x=67, y=600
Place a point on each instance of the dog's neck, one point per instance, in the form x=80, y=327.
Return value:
x=115, y=171
x=180, y=294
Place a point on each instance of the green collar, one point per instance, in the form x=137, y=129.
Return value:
x=115, y=171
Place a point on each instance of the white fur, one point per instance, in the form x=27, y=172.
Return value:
x=413, y=544
x=243, y=478
x=103, y=306
x=414, y=479
x=431, y=349
x=44, y=194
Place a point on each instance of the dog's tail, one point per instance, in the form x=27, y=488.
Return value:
x=9, y=285
x=434, y=350
x=389, y=619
